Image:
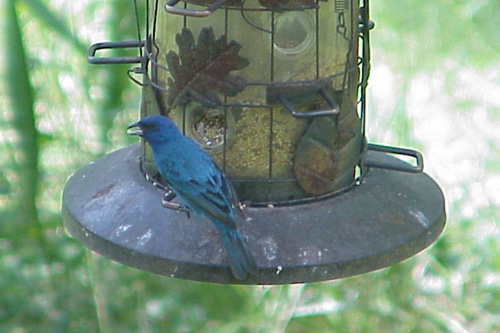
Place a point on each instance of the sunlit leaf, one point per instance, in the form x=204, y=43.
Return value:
x=53, y=22
x=487, y=22
x=20, y=93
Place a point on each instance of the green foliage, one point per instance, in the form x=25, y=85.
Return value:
x=53, y=22
x=424, y=33
x=53, y=100
x=23, y=118
x=485, y=19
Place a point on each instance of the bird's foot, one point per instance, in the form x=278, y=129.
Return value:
x=165, y=202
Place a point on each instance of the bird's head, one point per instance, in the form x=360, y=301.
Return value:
x=154, y=129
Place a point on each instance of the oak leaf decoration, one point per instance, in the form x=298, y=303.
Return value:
x=201, y=71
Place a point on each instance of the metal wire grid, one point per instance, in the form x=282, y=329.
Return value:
x=152, y=52
x=151, y=67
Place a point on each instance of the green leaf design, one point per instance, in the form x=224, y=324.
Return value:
x=201, y=71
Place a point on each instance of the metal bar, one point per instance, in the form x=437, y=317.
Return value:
x=317, y=41
x=224, y=150
x=93, y=59
x=310, y=114
x=419, y=160
x=271, y=110
x=170, y=8
x=366, y=54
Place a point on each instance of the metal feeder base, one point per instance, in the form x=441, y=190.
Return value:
x=112, y=209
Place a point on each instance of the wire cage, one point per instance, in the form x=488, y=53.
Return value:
x=275, y=92
x=293, y=131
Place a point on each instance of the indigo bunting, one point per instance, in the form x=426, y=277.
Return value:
x=199, y=183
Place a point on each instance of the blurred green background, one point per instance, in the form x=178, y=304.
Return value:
x=435, y=86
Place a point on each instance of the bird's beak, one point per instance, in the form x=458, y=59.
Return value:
x=135, y=129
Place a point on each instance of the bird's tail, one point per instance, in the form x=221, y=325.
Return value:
x=242, y=262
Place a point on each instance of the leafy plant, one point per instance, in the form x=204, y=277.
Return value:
x=22, y=98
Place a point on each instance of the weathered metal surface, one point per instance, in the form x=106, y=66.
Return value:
x=110, y=207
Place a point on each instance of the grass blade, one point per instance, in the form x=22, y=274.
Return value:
x=20, y=94
x=53, y=22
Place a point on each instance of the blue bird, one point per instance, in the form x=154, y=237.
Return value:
x=199, y=183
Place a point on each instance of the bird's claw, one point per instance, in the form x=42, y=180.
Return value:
x=165, y=202
x=185, y=209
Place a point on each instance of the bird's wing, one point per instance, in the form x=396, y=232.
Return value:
x=209, y=197
x=203, y=187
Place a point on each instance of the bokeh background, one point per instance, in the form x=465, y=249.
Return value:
x=435, y=86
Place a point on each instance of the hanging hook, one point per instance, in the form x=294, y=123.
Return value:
x=170, y=8
x=93, y=59
x=419, y=160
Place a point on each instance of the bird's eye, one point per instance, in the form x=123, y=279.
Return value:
x=152, y=126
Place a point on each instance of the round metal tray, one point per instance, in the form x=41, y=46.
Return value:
x=111, y=208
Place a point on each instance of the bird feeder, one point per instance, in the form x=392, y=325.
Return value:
x=275, y=92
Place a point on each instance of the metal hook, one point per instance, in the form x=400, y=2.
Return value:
x=419, y=160
x=310, y=114
x=136, y=70
x=91, y=58
x=170, y=8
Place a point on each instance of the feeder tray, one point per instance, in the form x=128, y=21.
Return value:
x=112, y=209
